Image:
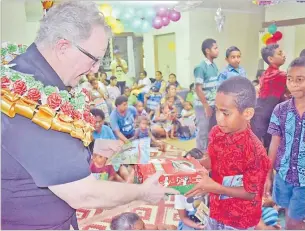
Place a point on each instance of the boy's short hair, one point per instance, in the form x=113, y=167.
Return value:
x=113, y=77
x=159, y=72
x=173, y=75
x=298, y=62
x=143, y=118
x=302, y=54
x=98, y=112
x=207, y=44
x=242, y=89
x=231, y=49
x=195, y=153
x=191, y=86
x=120, y=100
x=255, y=82
x=259, y=73
x=124, y=221
x=268, y=51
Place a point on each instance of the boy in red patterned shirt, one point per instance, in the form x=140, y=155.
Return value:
x=237, y=160
x=272, y=91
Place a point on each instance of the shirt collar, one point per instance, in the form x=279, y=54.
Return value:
x=39, y=67
x=234, y=137
x=231, y=69
x=207, y=61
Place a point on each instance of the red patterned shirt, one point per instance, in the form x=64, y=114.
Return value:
x=240, y=154
x=272, y=83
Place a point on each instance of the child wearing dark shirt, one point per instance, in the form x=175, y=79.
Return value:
x=271, y=91
x=237, y=159
x=172, y=80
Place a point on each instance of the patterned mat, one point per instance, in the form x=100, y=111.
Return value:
x=162, y=213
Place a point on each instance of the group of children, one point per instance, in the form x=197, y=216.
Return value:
x=251, y=118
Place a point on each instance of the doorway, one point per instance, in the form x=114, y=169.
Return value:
x=165, y=54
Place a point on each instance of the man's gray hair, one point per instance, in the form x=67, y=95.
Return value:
x=71, y=20
x=124, y=221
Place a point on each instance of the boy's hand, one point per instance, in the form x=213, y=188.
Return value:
x=267, y=187
x=206, y=185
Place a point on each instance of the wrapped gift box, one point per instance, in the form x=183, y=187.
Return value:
x=181, y=174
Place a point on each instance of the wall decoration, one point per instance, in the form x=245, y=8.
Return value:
x=220, y=19
x=272, y=36
x=46, y=5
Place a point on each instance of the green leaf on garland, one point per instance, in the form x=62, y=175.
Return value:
x=15, y=77
x=48, y=90
x=65, y=95
x=12, y=48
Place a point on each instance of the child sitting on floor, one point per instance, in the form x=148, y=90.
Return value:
x=144, y=131
x=172, y=80
x=165, y=119
x=132, y=99
x=190, y=94
x=132, y=221
x=140, y=109
x=188, y=110
x=106, y=172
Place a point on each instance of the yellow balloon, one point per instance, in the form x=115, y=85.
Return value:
x=172, y=46
x=266, y=37
x=118, y=28
x=111, y=21
x=106, y=9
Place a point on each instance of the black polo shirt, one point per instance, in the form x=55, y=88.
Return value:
x=34, y=158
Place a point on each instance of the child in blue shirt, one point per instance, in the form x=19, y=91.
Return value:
x=233, y=56
x=101, y=131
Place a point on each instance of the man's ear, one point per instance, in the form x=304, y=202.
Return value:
x=61, y=47
x=248, y=113
x=269, y=58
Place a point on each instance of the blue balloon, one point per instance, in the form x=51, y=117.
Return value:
x=128, y=14
x=146, y=26
x=140, y=13
x=117, y=12
x=136, y=24
x=150, y=14
x=272, y=28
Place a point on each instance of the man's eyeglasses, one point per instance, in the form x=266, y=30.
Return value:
x=95, y=59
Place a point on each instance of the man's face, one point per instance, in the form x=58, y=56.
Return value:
x=296, y=82
x=278, y=59
x=229, y=118
x=234, y=59
x=74, y=62
x=213, y=52
x=98, y=123
x=122, y=108
x=90, y=76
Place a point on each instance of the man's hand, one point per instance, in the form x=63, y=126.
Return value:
x=206, y=185
x=208, y=110
x=153, y=192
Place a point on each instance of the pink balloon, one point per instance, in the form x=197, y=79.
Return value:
x=174, y=15
x=162, y=11
x=165, y=21
x=157, y=22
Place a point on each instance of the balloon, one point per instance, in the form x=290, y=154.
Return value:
x=266, y=37
x=128, y=14
x=271, y=41
x=272, y=28
x=106, y=10
x=278, y=36
x=136, y=24
x=116, y=12
x=140, y=13
x=165, y=21
x=118, y=28
x=162, y=11
x=157, y=22
x=150, y=14
x=111, y=21
x=174, y=15
x=146, y=26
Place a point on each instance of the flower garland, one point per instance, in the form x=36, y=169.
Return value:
x=46, y=106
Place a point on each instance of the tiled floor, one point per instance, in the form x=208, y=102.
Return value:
x=162, y=213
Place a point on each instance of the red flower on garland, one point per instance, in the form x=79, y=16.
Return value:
x=54, y=100
x=5, y=82
x=34, y=94
x=19, y=87
x=88, y=95
x=67, y=108
x=92, y=120
x=86, y=116
x=76, y=115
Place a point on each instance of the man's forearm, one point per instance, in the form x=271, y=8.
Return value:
x=274, y=145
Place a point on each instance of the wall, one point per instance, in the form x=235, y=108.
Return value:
x=241, y=29
x=293, y=36
x=182, y=31
x=14, y=24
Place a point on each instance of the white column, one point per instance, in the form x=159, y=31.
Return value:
x=131, y=62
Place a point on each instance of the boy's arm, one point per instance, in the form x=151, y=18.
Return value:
x=206, y=162
x=121, y=136
x=153, y=139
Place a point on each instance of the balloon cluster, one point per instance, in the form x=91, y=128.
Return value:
x=137, y=19
x=164, y=17
x=272, y=36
